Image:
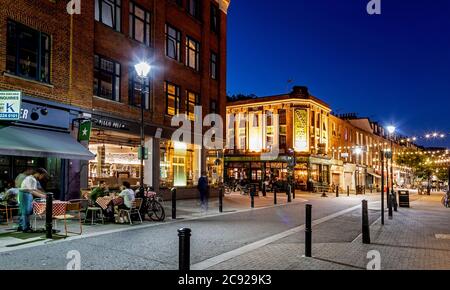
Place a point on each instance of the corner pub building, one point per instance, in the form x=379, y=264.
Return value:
x=75, y=68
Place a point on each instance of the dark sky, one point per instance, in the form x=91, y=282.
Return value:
x=393, y=67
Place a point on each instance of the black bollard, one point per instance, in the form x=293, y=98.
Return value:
x=365, y=223
x=221, y=199
x=274, y=196
x=390, y=205
x=289, y=192
x=337, y=191
x=394, y=201
x=308, y=231
x=184, y=235
x=49, y=216
x=264, y=192
x=348, y=190
x=174, y=203
x=252, y=196
x=293, y=191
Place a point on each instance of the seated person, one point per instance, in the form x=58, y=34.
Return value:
x=127, y=195
x=100, y=191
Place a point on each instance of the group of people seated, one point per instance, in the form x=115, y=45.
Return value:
x=124, y=200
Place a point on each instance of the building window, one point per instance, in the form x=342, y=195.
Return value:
x=215, y=19
x=28, y=53
x=194, y=8
x=255, y=120
x=213, y=107
x=173, y=43
x=134, y=90
x=172, y=99
x=283, y=129
x=106, y=78
x=108, y=13
x=242, y=132
x=214, y=66
x=139, y=24
x=192, y=53
x=192, y=100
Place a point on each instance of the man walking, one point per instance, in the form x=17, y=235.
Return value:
x=203, y=189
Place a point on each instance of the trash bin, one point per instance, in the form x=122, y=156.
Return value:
x=403, y=197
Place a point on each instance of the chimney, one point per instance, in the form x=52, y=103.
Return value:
x=300, y=91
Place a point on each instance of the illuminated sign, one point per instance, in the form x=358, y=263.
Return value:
x=301, y=130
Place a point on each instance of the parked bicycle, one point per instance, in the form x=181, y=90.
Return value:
x=152, y=207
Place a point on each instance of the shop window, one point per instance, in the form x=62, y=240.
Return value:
x=108, y=13
x=28, y=52
x=139, y=24
x=135, y=88
x=106, y=78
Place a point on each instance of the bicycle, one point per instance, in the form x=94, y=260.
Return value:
x=152, y=207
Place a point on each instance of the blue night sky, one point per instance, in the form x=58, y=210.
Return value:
x=393, y=67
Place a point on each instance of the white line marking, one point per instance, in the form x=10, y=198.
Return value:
x=253, y=246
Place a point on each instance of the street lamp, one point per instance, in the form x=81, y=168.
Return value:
x=357, y=151
x=391, y=129
x=142, y=71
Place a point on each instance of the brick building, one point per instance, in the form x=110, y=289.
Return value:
x=81, y=67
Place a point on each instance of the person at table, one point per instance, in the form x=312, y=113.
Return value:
x=100, y=191
x=127, y=195
x=28, y=190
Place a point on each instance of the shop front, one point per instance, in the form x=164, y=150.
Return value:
x=42, y=138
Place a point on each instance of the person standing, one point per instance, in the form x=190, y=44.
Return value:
x=28, y=190
x=203, y=189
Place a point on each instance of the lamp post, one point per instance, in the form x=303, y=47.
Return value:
x=142, y=70
x=358, y=151
x=391, y=129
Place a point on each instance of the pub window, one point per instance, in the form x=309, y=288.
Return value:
x=172, y=99
x=28, y=53
x=255, y=120
x=194, y=8
x=192, y=53
x=108, y=13
x=213, y=109
x=214, y=66
x=269, y=118
x=134, y=89
x=283, y=129
x=215, y=19
x=106, y=78
x=139, y=24
x=173, y=43
x=192, y=100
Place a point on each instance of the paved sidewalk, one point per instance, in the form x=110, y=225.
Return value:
x=417, y=238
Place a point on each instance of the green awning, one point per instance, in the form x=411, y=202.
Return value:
x=22, y=141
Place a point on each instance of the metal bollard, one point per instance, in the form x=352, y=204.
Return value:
x=348, y=190
x=174, y=203
x=49, y=215
x=293, y=191
x=264, y=192
x=289, y=192
x=308, y=231
x=365, y=223
x=337, y=191
x=184, y=235
x=390, y=205
x=221, y=199
x=252, y=197
x=394, y=201
x=274, y=196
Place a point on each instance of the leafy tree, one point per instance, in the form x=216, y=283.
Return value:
x=240, y=97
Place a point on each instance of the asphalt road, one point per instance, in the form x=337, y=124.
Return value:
x=157, y=247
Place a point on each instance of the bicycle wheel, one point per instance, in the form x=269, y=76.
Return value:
x=156, y=211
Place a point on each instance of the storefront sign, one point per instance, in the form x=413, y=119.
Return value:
x=43, y=115
x=104, y=122
x=301, y=130
x=10, y=103
x=84, y=133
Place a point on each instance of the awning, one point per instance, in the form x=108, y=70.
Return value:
x=21, y=141
x=374, y=175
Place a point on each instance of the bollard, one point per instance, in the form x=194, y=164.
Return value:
x=221, y=199
x=308, y=231
x=184, y=235
x=264, y=189
x=174, y=203
x=252, y=197
x=348, y=190
x=289, y=190
x=394, y=201
x=365, y=223
x=274, y=196
x=293, y=191
x=49, y=215
x=337, y=191
x=389, y=205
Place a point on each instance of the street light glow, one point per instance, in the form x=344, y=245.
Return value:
x=391, y=129
x=358, y=150
x=142, y=69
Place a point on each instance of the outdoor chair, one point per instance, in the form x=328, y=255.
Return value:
x=73, y=212
x=135, y=209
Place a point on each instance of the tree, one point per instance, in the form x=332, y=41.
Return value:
x=241, y=97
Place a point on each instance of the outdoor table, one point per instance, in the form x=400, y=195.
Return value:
x=104, y=201
x=58, y=208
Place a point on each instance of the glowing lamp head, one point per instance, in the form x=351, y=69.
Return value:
x=391, y=129
x=142, y=69
x=358, y=151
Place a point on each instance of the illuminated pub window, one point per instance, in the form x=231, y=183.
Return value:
x=172, y=99
x=179, y=164
x=283, y=129
x=269, y=129
x=242, y=132
x=192, y=100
